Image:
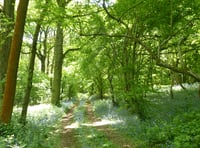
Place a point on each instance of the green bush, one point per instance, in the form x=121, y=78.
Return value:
x=40, y=92
x=182, y=132
x=187, y=130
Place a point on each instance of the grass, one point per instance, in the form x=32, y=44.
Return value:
x=90, y=137
x=40, y=130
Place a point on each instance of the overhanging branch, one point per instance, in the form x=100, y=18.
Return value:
x=168, y=66
x=113, y=17
x=70, y=50
x=106, y=35
x=150, y=50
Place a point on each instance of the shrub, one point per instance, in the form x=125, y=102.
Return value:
x=187, y=130
x=182, y=132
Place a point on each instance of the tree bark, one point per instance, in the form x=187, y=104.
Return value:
x=8, y=10
x=58, y=56
x=11, y=77
x=30, y=75
x=43, y=60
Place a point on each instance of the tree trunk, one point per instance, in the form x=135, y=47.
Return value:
x=43, y=60
x=11, y=77
x=42, y=51
x=171, y=86
x=199, y=91
x=110, y=80
x=58, y=57
x=42, y=57
x=30, y=75
x=8, y=11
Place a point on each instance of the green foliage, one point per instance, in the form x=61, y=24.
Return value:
x=183, y=131
x=40, y=92
x=21, y=81
x=113, y=61
x=186, y=130
x=5, y=129
x=4, y=25
x=41, y=88
x=71, y=84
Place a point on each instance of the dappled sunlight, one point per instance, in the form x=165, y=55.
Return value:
x=46, y=110
x=164, y=88
x=103, y=122
x=73, y=125
x=186, y=85
x=40, y=107
x=67, y=104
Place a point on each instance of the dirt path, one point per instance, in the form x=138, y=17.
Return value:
x=115, y=137
x=69, y=138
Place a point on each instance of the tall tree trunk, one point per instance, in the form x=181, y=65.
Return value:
x=8, y=11
x=172, y=84
x=44, y=54
x=111, y=86
x=31, y=68
x=11, y=77
x=43, y=60
x=42, y=57
x=30, y=75
x=58, y=57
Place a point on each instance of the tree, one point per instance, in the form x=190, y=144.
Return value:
x=58, y=59
x=30, y=75
x=6, y=38
x=11, y=77
x=147, y=42
x=43, y=52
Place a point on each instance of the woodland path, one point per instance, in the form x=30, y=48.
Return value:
x=70, y=137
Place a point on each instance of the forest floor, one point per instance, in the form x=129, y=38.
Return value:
x=71, y=138
x=92, y=123
x=68, y=138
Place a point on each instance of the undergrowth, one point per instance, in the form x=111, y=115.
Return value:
x=172, y=123
x=39, y=132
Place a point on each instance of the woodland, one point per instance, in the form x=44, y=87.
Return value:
x=132, y=63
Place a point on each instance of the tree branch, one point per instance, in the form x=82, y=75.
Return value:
x=150, y=50
x=70, y=50
x=107, y=35
x=179, y=70
x=113, y=17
